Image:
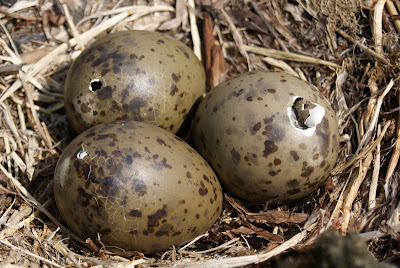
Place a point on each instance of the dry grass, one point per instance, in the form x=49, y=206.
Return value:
x=348, y=49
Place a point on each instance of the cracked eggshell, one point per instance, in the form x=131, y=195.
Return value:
x=267, y=135
x=133, y=75
x=136, y=185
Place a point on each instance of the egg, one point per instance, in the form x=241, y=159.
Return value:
x=268, y=136
x=133, y=75
x=136, y=187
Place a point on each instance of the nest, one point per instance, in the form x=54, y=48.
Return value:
x=348, y=49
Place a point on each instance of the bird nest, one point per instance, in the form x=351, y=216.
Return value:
x=348, y=49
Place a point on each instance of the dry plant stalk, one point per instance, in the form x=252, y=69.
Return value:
x=237, y=37
x=394, y=159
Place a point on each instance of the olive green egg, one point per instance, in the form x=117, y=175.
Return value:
x=133, y=75
x=136, y=186
x=268, y=136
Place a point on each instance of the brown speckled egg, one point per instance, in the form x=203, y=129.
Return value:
x=268, y=135
x=137, y=186
x=133, y=75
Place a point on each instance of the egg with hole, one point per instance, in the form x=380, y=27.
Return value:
x=133, y=75
x=268, y=136
x=136, y=187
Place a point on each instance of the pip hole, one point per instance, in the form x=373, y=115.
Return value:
x=95, y=85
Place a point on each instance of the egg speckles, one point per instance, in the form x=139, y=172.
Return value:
x=133, y=75
x=137, y=186
x=267, y=135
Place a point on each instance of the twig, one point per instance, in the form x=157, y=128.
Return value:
x=28, y=92
x=362, y=153
x=369, y=132
x=223, y=246
x=375, y=175
x=393, y=12
x=395, y=155
x=363, y=47
x=353, y=190
x=282, y=55
x=377, y=25
x=71, y=24
x=280, y=64
x=237, y=37
x=194, y=30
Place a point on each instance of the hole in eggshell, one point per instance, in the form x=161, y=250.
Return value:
x=95, y=85
x=305, y=115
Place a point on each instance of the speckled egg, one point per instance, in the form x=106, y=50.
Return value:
x=268, y=136
x=137, y=186
x=133, y=75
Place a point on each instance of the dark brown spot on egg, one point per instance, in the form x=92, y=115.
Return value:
x=104, y=93
x=135, y=213
x=327, y=168
x=292, y=183
x=174, y=89
x=267, y=129
x=271, y=90
x=277, y=161
x=175, y=77
x=164, y=163
x=307, y=170
x=313, y=185
x=272, y=173
x=161, y=233
x=85, y=108
x=294, y=155
x=116, y=69
x=161, y=142
x=293, y=191
x=269, y=148
x=203, y=190
x=140, y=187
x=105, y=231
x=250, y=98
x=153, y=219
x=188, y=175
x=235, y=156
x=83, y=197
x=322, y=164
x=255, y=128
x=176, y=234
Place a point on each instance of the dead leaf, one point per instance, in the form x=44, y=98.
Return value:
x=242, y=230
x=277, y=217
